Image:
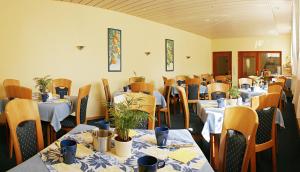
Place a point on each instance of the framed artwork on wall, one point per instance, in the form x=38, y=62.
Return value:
x=169, y=50
x=114, y=50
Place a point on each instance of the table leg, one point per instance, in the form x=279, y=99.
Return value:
x=48, y=134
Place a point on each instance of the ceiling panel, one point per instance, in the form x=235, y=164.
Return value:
x=210, y=18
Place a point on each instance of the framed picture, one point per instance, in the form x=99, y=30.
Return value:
x=169, y=50
x=114, y=50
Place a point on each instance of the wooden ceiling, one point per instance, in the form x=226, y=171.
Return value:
x=210, y=18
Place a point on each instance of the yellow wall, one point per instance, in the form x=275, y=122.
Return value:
x=268, y=43
x=39, y=37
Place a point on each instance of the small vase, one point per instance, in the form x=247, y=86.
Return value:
x=123, y=149
x=44, y=97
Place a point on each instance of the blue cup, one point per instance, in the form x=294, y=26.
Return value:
x=103, y=124
x=45, y=97
x=161, y=134
x=125, y=89
x=149, y=164
x=68, y=150
x=221, y=103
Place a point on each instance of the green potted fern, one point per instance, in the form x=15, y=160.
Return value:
x=42, y=84
x=234, y=95
x=125, y=119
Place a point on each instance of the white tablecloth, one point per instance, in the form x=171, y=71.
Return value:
x=212, y=117
x=257, y=92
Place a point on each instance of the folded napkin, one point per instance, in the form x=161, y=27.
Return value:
x=62, y=167
x=156, y=152
x=149, y=138
x=183, y=155
x=83, y=151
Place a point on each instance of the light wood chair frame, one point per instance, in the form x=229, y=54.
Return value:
x=242, y=119
x=108, y=96
x=148, y=105
x=259, y=103
x=136, y=79
x=214, y=87
x=142, y=87
x=183, y=100
x=61, y=82
x=20, y=110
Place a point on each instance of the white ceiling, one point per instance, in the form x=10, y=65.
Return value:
x=210, y=18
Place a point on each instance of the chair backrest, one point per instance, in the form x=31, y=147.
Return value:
x=217, y=87
x=237, y=138
x=167, y=90
x=275, y=87
x=180, y=79
x=8, y=82
x=82, y=101
x=61, y=84
x=106, y=90
x=197, y=76
x=208, y=78
x=192, y=88
x=136, y=79
x=221, y=78
x=183, y=100
x=245, y=81
x=147, y=104
x=13, y=91
x=265, y=106
x=143, y=87
x=25, y=128
x=164, y=79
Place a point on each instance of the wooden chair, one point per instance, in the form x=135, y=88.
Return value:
x=61, y=85
x=245, y=82
x=71, y=122
x=183, y=100
x=237, y=138
x=217, y=90
x=192, y=90
x=265, y=106
x=221, y=79
x=276, y=87
x=8, y=82
x=180, y=79
x=13, y=91
x=143, y=87
x=166, y=110
x=25, y=128
x=107, y=97
x=164, y=79
x=146, y=105
x=136, y=79
x=197, y=76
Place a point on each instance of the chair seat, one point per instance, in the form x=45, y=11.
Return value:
x=69, y=122
x=163, y=109
x=193, y=101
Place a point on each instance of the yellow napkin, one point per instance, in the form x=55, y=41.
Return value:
x=86, y=137
x=132, y=133
x=149, y=138
x=110, y=169
x=62, y=167
x=183, y=155
x=83, y=151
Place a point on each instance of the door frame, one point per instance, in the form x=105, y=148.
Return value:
x=240, y=60
x=214, y=64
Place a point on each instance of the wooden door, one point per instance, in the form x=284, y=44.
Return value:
x=222, y=63
x=248, y=63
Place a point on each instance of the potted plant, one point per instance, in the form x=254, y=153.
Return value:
x=234, y=95
x=42, y=84
x=125, y=118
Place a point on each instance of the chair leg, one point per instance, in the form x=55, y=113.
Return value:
x=274, y=158
x=214, y=152
x=11, y=148
x=53, y=135
x=169, y=119
x=48, y=134
x=253, y=162
x=158, y=117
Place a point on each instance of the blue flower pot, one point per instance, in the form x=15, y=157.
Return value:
x=44, y=97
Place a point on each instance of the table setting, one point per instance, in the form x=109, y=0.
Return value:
x=177, y=152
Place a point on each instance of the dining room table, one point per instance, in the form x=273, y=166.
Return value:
x=54, y=110
x=176, y=158
x=159, y=98
x=247, y=93
x=212, y=117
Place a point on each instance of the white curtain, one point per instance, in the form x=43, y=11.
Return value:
x=295, y=55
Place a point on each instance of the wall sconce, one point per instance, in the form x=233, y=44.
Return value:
x=147, y=53
x=188, y=57
x=80, y=47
